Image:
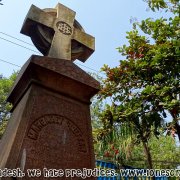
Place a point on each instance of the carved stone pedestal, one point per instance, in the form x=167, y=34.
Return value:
x=50, y=125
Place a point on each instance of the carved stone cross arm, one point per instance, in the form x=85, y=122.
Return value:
x=34, y=16
x=56, y=33
x=86, y=40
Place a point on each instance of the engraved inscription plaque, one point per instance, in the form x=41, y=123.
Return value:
x=53, y=138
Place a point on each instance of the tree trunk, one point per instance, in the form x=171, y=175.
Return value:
x=148, y=156
x=177, y=127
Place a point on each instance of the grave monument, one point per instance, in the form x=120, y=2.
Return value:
x=50, y=125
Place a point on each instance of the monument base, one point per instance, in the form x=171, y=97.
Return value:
x=50, y=127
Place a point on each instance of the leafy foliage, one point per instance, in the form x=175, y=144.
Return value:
x=165, y=153
x=145, y=87
x=113, y=141
x=5, y=86
x=117, y=143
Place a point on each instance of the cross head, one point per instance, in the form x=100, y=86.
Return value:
x=64, y=32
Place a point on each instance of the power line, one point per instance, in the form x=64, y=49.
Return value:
x=9, y=63
x=19, y=45
x=16, y=38
x=33, y=51
x=88, y=67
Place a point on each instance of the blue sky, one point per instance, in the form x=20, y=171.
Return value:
x=107, y=21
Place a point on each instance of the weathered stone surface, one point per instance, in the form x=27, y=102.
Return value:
x=50, y=126
x=56, y=33
x=57, y=74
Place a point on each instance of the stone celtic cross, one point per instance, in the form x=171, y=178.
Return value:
x=51, y=99
x=57, y=34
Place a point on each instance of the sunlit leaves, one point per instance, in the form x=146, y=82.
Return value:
x=5, y=87
x=145, y=87
x=146, y=84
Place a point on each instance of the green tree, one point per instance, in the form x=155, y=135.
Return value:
x=116, y=143
x=145, y=87
x=5, y=87
x=164, y=151
x=121, y=149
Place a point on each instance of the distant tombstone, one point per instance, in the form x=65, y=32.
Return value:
x=50, y=125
